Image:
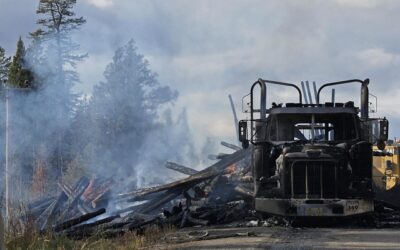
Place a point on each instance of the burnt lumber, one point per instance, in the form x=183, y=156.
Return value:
x=203, y=198
x=231, y=146
x=38, y=204
x=219, y=156
x=75, y=221
x=86, y=230
x=158, y=203
x=97, y=189
x=74, y=198
x=202, y=175
x=180, y=168
x=36, y=211
x=41, y=221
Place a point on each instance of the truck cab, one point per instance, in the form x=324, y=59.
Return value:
x=310, y=159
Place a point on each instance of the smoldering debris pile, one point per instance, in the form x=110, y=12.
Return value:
x=219, y=194
x=81, y=199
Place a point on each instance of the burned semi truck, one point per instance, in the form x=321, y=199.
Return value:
x=312, y=159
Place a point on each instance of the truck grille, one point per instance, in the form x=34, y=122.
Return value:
x=313, y=179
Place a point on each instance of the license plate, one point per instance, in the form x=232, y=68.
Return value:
x=352, y=206
x=314, y=211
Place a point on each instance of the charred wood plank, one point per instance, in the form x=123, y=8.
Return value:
x=70, y=223
x=74, y=197
x=152, y=205
x=61, y=198
x=36, y=211
x=101, y=199
x=88, y=229
x=41, y=221
x=40, y=203
x=231, y=146
x=71, y=196
x=180, y=168
x=53, y=209
x=152, y=196
x=97, y=223
x=190, y=181
x=180, y=184
x=219, y=156
x=148, y=206
x=83, y=181
x=96, y=188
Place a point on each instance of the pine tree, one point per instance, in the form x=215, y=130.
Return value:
x=36, y=59
x=18, y=74
x=53, y=54
x=124, y=109
x=57, y=22
x=4, y=64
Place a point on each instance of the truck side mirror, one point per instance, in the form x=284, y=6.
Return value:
x=383, y=134
x=243, y=133
x=383, y=130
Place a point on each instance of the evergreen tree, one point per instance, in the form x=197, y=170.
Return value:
x=57, y=22
x=54, y=58
x=4, y=64
x=18, y=75
x=124, y=109
x=36, y=59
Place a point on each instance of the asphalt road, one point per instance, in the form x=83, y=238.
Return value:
x=283, y=238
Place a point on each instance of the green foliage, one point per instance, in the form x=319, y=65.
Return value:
x=54, y=57
x=57, y=21
x=59, y=16
x=4, y=64
x=124, y=108
x=36, y=55
x=18, y=74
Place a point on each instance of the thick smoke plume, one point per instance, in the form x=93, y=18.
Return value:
x=126, y=129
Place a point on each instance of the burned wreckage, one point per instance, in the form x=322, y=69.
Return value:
x=312, y=159
x=297, y=160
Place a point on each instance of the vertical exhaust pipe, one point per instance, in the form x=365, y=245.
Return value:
x=261, y=151
x=263, y=101
x=364, y=99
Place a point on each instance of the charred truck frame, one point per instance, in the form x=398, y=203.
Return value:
x=312, y=159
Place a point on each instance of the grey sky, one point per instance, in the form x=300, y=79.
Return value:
x=209, y=49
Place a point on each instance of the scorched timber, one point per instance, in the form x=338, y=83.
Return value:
x=70, y=223
x=181, y=169
x=86, y=230
x=82, y=209
x=190, y=181
x=231, y=146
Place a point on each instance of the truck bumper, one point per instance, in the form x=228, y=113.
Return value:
x=319, y=207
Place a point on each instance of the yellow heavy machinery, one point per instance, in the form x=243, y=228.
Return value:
x=386, y=174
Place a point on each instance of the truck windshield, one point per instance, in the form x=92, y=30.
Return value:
x=317, y=127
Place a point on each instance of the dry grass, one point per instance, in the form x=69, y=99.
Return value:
x=31, y=240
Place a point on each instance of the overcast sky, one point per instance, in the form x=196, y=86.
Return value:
x=209, y=49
